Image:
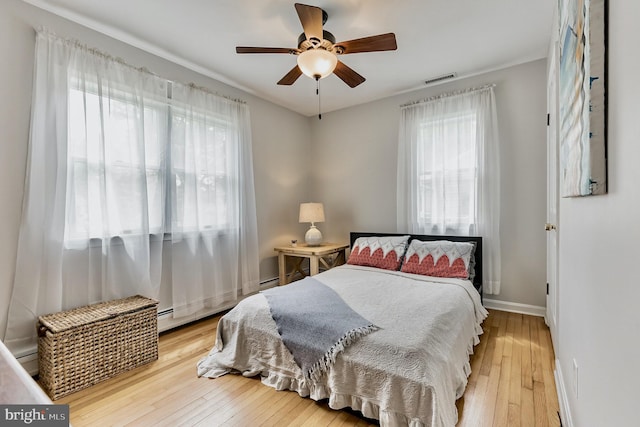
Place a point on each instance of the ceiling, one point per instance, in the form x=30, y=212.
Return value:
x=434, y=37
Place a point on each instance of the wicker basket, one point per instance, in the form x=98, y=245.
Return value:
x=81, y=347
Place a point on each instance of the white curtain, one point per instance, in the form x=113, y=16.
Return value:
x=449, y=172
x=213, y=229
x=98, y=197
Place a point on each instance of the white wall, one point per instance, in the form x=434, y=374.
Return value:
x=354, y=171
x=280, y=154
x=599, y=302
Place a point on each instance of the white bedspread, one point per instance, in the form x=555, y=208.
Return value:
x=410, y=372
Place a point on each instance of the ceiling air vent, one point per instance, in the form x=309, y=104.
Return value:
x=440, y=78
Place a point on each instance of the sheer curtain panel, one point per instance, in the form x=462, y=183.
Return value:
x=214, y=243
x=121, y=178
x=449, y=174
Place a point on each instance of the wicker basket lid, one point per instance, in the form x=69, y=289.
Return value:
x=59, y=322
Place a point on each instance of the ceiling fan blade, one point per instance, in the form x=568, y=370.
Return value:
x=311, y=20
x=291, y=77
x=377, y=43
x=249, y=49
x=347, y=75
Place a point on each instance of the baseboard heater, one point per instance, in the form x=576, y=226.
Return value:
x=166, y=322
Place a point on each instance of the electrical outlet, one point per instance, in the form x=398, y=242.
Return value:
x=575, y=377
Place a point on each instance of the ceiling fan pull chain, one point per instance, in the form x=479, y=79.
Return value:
x=318, y=93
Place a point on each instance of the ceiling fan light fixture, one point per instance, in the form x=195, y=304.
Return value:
x=317, y=63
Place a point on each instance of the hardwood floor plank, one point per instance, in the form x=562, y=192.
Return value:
x=511, y=384
x=231, y=413
x=479, y=352
x=548, y=363
x=527, y=417
x=305, y=415
x=174, y=418
x=515, y=383
x=341, y=420
x=490, y=335
x=539, y=405
x=527, y=375
x=502, y=399
x=324, y=416
x=264, y=409
x=490, y=400
x=527, y=413
x=536, y=354
x=465, y=403
x=223, y=413
x=473, y=403
x=294, y=406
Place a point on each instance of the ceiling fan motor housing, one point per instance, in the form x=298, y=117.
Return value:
x=327, y=42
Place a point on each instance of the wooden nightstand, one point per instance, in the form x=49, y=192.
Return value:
x=327, y=254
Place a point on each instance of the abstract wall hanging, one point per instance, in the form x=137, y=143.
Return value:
x=582, y=98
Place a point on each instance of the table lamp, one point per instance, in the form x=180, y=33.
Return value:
x=312, y=212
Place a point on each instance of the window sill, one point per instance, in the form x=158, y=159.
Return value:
x=97, y=242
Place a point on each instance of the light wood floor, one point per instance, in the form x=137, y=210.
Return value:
x=511, y=384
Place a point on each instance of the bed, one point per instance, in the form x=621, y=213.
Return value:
x=409, y=370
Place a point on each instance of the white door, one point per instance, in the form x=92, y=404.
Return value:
x=552, y=192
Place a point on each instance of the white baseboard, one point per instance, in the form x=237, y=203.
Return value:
x=565, y=412
x=514, y=307
x=269, y=283
x=166, y=321
x=30, y=362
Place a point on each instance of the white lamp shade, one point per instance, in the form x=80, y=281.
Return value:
x=311, y=212
x=317, y=63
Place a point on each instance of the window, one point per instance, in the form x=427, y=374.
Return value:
x=204, y=141
x=183, y=172
x=447, y=174
x=109, y=173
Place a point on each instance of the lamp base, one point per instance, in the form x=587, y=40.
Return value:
x=313, y=237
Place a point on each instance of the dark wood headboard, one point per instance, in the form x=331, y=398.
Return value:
x=477, y=281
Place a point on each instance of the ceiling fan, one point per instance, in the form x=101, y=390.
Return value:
x=318, y=51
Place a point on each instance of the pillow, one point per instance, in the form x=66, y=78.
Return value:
x=440, y=258
x=472, y=263
x=378, y=251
